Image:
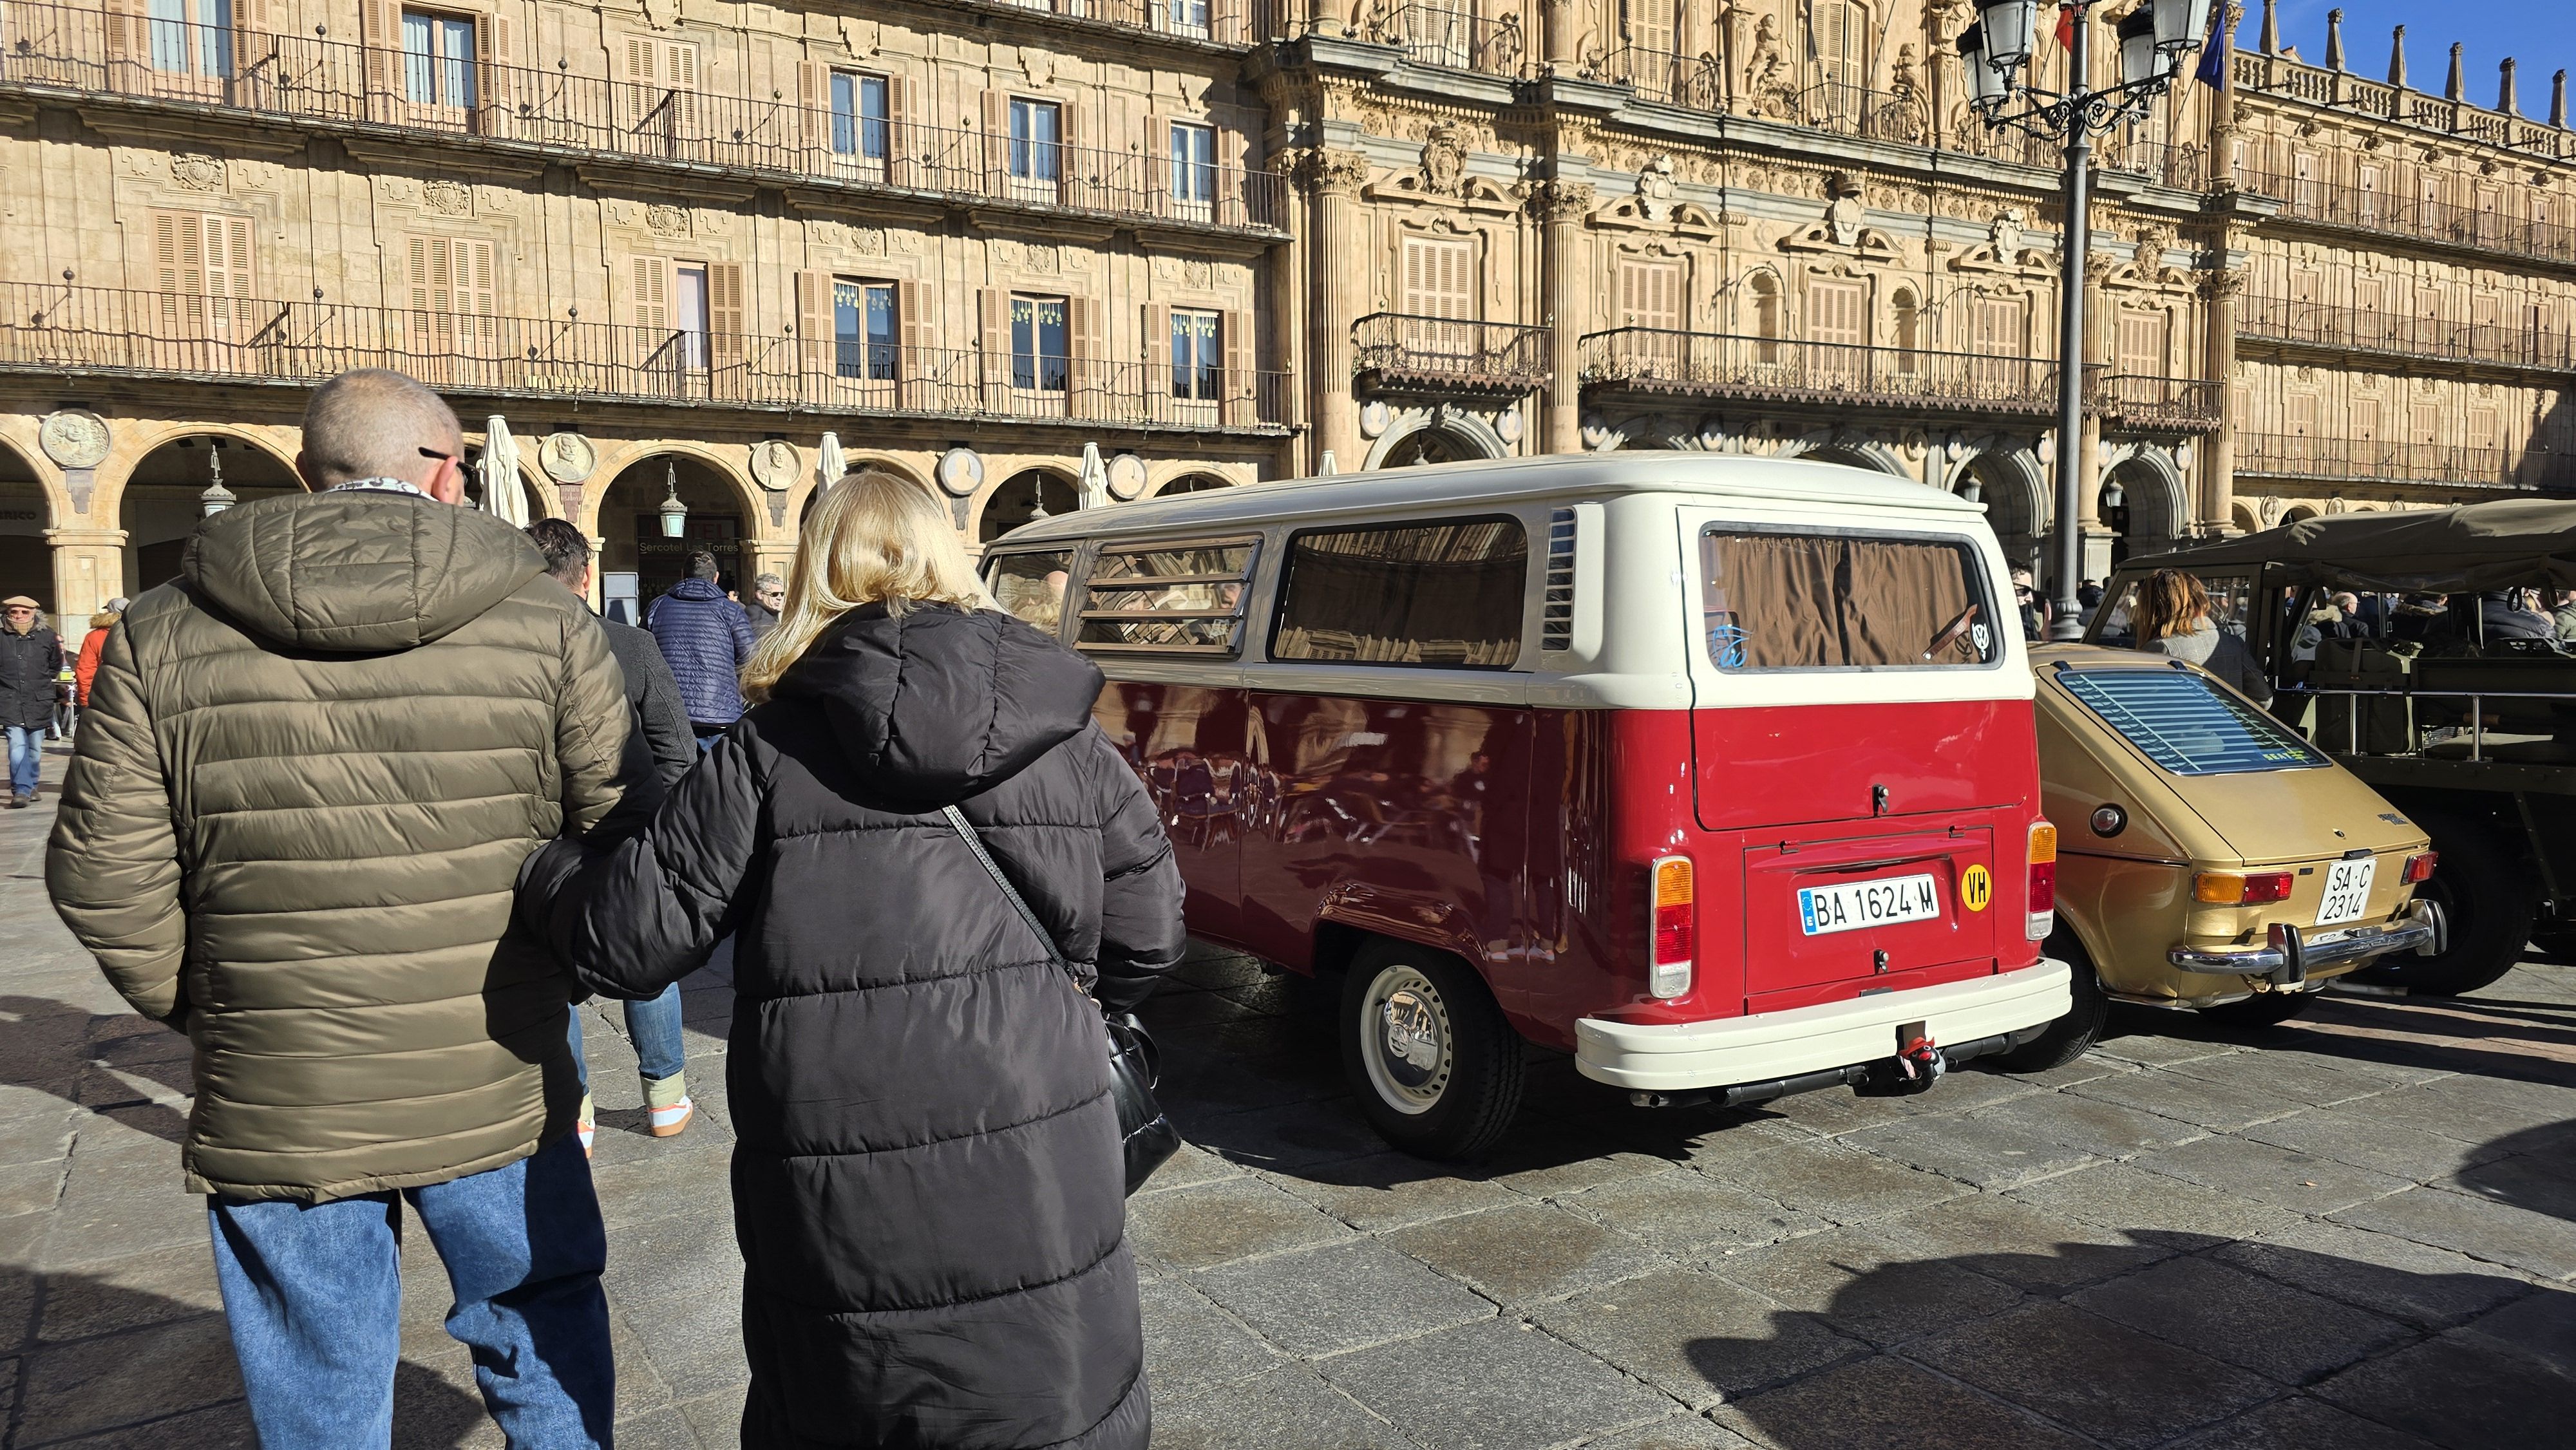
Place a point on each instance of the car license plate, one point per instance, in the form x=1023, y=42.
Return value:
x=1854, y=905
x=2347, y=891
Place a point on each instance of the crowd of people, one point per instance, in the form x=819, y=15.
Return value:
x=369, y=835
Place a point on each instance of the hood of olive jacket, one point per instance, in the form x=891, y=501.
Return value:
x=937, y=705
x=364, y=571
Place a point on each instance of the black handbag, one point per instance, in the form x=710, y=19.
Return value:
x=1144, y=1128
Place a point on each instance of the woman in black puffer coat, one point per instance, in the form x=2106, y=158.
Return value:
x=928, y=1187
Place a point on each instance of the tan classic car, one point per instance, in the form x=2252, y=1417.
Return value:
x=2208, y=859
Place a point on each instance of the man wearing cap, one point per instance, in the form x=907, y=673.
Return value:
x=31, y=661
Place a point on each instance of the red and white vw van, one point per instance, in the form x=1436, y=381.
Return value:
x=1716, y=772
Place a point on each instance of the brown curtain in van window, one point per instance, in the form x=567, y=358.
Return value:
x=1900, y=596
x=1781, y=593
x=1808, y=602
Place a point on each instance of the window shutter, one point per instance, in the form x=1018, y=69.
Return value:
x=814, y=112
x=380, y=32
x=1239, y=387
x=1082, y=353
x=997, y=136
x=1229, y=179
x=1155, y=318
x=1227, y=24
x=641, y=55
x=680, y=67
x=126, y=33
x=815, y=338
x=495, y=54
x=993, y=309
x=649, y=296
x=913, y=327
x=254, y=37
x=727, y=318
x=898, y=134
x=1076, y=174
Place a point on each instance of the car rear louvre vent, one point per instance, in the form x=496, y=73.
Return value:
x=1556, y=616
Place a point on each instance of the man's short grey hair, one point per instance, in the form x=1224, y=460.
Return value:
x=373, y=423
x=767, y=581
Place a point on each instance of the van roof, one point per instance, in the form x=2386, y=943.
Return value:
x=1550, y=476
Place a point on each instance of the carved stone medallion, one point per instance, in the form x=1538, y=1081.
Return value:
x=569, y=458
x=74, y=438
x=773, y=464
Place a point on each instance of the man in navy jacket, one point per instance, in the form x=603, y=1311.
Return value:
x=706, y=638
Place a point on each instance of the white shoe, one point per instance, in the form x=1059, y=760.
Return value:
x=667, y=1122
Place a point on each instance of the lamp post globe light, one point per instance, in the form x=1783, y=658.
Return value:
x=1994, y=50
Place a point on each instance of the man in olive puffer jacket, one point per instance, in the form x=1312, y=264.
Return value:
x=310, y=772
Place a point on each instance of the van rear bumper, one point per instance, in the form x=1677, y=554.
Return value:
x=1772, y=1045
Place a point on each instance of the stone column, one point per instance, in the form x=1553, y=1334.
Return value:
x=1562, y=19
x=1339, y=264
x=89, y=570
x=1566, y=289
x=2218, y=454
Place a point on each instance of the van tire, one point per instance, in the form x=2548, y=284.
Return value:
x=2486, y=893
x=2268, y=1009
x=1452, y=1088
x=2070, y=1036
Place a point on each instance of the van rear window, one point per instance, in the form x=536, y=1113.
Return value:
x=1776, y=600
x=2186, y=724
x=1433, y=594
x=1167, y=599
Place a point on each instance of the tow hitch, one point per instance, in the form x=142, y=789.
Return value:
x=1915, y=1067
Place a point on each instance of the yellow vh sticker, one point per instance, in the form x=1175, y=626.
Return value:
x=1976, y=888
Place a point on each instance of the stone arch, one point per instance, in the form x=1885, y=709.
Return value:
x=160, y=498
x=1194, y=482
x=725, y=466
x=798, y=502
x=1442, y=437
x=2241, y=517
x=2014, y=488
x=2300, y=511
x=1851, y=453
x=1015, y=500
x=727, y=516
x=29, y=513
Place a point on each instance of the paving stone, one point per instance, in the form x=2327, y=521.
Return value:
x=2541, y=1324
x=1713, y=1140
x=1339, y=1297
x=2003, y=1238
x=2460, y=1391
x=1285, y=1407
x=1976, y=1149
x=121, y=1207
x=37, y=1133
x=2197, y=1100
x=2125, y=1196
x=1526, y=1253
x=1861, y=1283
x=2092, y=1375
x=2093, y=1125
x=1680, y=1210
x=1192, y=1164
x=682, y=1256
x=1215, y=1223
x=128, y=1293
x=717, y=1417
x=1492, y=1386
x=2287, y=1077
x=682, y=1177
x=1284, y=1138
x=2496, y=1232
x=31, y=1187
x=1882, y=1404
x=1836, y=1111
x=1838, y=1183
x=2287, y=1334
x=2090, y=1066
x=1543, y=1157
x=2277, y=1176
x=2540, y=1182
x=662, y=1429
x=2300, y=1423
x=1695, y=1336
x=436, y=1403
x=2475, y=1110
x=1390, y=1190
x=2357, y=1134
x=218, y=1427
x=1674, y=1432
x=2138, y=1036
x=2417, y=1283
x=121, y=1379
x=1191, y=1346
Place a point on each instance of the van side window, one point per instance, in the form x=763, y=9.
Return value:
x=1184, y=598
x=1441, y=594
x=1030, y=585
x=1777, y=600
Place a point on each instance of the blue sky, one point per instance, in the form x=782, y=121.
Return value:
x=2541, y=34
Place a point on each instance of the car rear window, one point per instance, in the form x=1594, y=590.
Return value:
x=1446, y=594
x=1180, y=598
x=1783, y=600
x=2187, y=724
x=1031, y=585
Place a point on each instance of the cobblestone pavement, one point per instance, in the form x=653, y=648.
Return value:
x=2352, y=1232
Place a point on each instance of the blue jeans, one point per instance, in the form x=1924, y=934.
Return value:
x=655, y=1026
x=26, y=758
x=314, y=1299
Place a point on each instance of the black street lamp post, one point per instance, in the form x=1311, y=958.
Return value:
x=2153, y=40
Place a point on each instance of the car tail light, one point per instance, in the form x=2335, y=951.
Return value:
x=2241, y=888
x=2419, y=867
x=1670, y=924
x=2043, y=880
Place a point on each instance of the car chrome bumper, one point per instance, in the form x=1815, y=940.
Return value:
x=2294, y=954
x=1677, y=1056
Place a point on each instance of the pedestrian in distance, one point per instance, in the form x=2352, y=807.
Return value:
x=768, y=596
x=2173, y=620
x=706, y=638
x=2028, y=604
x=928, y=1183
x=85, y=668
x=31, y=663
x=653, y=698
x=314, y=766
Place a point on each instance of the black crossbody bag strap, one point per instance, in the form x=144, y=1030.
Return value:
x=975, y=843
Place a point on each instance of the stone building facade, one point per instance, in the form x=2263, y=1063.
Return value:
x=676, y=242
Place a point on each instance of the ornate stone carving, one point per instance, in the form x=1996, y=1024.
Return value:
x=1562, y=200
x=1844, y=211
x=568, y=457
x=1655, y=189
x=2220, y=282
x=666, y=220
x=1318, y=168
x=1444, y=160
x=197, y=170
x=447, y=198
x=1767, y=73
x=774, y=464
x=73, y=438
x=620, y=213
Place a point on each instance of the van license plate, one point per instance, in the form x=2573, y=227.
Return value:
x=2347, y=891
x=1884, y=902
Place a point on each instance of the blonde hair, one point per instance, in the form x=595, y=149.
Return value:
x=2170, y=602
x=874, y=538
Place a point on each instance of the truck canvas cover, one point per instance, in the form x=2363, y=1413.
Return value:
x=2437, y=551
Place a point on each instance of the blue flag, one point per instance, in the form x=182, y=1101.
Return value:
x=2213, y=52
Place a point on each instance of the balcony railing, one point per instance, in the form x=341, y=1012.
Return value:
x=2288, y=455
x=1711, y=364
x=2400, y=331
x=1226, y=22
x=2281, y=75
x=1455, y=36
x=556, y=111
x=99, y=331
x=2342, y=204
x=2143, y=400
x=1450, y=354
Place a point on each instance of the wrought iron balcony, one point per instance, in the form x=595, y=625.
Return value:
x=1454, y=36
x=2399, y=331
x=1771, y=369
x=558, y=113
x=2345, y=460
x=1398, y=350
x=95, y=331
x=2143, y=400
x=1225, y=22
x=2286, y=76
x=2348, y=207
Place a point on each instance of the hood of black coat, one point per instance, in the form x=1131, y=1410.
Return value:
x=936, y=705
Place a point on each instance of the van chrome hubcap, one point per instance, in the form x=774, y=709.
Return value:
x=1407, y=1042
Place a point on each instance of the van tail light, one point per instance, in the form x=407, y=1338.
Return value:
x=1671, y=924
x=2419, y=867
x=2241, y=888
x=2043, y=880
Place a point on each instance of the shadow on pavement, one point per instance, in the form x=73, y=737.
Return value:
x=51, y=1045
x=2385, y=1030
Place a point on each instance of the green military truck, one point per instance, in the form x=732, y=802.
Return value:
x=2443, y=689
